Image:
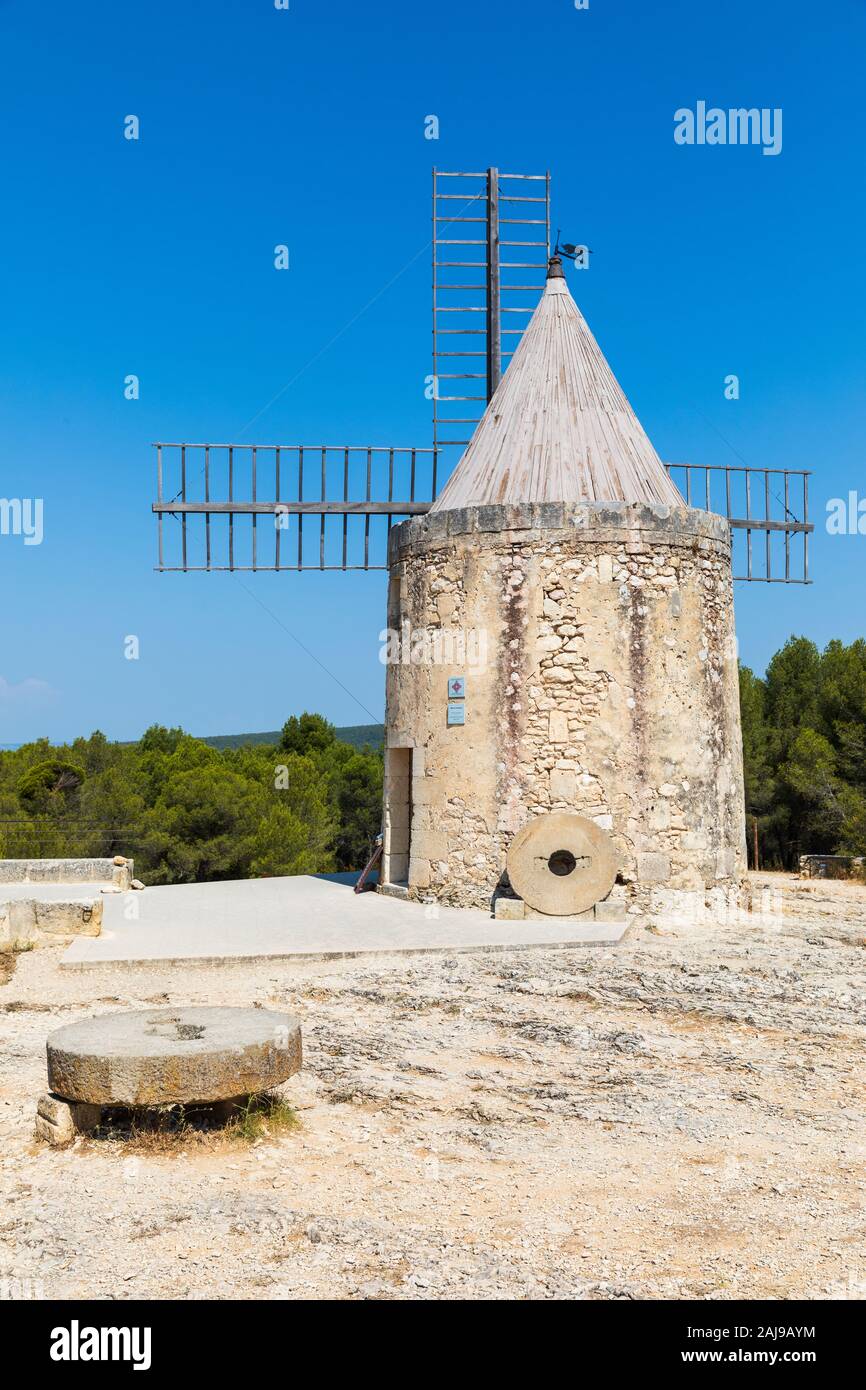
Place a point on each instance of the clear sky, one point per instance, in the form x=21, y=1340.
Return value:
x=306, y=127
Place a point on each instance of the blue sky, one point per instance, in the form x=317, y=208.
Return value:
x=306, y=127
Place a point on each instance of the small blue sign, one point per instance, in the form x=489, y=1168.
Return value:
x=456, y=687
x=456, y=712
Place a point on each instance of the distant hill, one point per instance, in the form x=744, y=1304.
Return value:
x=355, y=734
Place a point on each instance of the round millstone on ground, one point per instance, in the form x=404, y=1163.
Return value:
x=157, y=1057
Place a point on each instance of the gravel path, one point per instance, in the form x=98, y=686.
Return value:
x=679, y=1117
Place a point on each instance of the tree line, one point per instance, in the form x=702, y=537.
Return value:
x=186, y=812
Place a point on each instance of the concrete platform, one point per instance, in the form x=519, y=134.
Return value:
x=310, y=916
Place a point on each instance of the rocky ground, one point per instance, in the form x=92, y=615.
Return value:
x=680, y=1117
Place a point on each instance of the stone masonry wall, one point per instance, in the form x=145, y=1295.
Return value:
x=609, y=688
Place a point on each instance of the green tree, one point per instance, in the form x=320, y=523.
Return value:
x=358, y=785
x=792, y=692
x=756, y=743
x=843, y=706
x=353, y=781
x=202, y=825
x=307, y=733
x=50, y=787
x=809, y=784
x=285, y=843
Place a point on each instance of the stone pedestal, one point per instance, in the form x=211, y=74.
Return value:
x=59, y=1121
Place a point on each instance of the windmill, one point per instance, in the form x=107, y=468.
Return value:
x=555, y=781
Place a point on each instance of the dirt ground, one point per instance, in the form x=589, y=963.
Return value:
x=678, y=1117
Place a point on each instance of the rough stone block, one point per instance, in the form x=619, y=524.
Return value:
x=86, y=1117
x=419, y=872
x=61, y=870
x=611, y=910
x=121, y=876
x=73, y=918
x=428, y=844
x=653, y=867
x=63, y=1119
x=394, y=890
x=18, y=924
x=660, y=815
x=445, y=605
x=563, y=785
x=694, y=840
x=56, y=1111
x=58, y=1136
x=509, y=909
x=558, y=727
x=422, y=791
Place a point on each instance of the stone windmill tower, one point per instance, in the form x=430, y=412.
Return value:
x=598, y=737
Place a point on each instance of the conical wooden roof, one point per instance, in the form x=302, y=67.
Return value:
x=559, y=428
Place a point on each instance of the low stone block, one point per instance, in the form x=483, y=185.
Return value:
x=509, y=909
x=394, y=890
x=80, y=917
x=58, y=1120
x=54, y=1121
x=122, y=874
x=611, y=910
x=66, y=871
x=52, y=1108
x=55, y=1135
x=17, y=924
